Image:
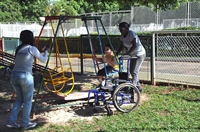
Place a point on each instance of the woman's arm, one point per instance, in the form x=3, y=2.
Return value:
x=133, y=42
x=36, y=53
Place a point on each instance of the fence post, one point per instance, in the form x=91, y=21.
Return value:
x=153, y=82
x=81, y=54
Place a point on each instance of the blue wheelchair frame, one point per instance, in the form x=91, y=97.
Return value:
x=117, y=95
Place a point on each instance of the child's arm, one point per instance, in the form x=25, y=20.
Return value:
x=109, y=62
x=97, y=59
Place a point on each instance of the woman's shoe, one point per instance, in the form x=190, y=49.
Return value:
x=30, y=125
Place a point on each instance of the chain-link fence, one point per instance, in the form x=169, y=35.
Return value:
x=173, y=58
x=186, y=15
x=177, y=57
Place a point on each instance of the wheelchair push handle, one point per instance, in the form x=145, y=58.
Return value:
x=128, y=56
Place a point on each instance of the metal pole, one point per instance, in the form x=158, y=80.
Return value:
x=153, y=82
x=110, y=25
x=157, y=14
x=3, y=39
x=81, y=54
x=188, y=13
x=132, y=14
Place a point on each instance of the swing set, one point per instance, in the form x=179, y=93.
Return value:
x=124, y=95
x=56, y=78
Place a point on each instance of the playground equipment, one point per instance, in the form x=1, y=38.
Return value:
x=55, y=79
x=119, y=91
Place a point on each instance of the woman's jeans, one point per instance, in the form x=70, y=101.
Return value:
x=23, y=85
x=135, y=65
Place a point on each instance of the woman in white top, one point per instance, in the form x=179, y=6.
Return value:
x=131, y=41
x=22, y=79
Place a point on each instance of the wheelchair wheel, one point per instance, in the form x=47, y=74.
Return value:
x=126, y=97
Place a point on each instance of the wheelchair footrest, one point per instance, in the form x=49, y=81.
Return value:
x=98, y=96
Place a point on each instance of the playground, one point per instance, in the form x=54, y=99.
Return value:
x=66, y=92
x=58, y=115
x=60, y=93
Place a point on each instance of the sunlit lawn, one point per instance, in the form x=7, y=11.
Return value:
x=168, y=109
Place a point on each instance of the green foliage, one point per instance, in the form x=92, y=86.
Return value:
x=17, y=11
x=99, y=6
x=184, y=28
x=10, y=11
x=63, y=7
x=144, y=33
x=31, y=10
x=154, y=4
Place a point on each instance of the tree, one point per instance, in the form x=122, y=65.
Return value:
x=32, y=10
x=63, y=7
x=10, y=11
x=90, y=6
x=154, y=4
x=75, y=7
x=22, y=10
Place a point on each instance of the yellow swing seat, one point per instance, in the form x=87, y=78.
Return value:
x=55, y=81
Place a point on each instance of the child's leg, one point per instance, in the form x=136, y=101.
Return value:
x=101, y=75
x=102, y=80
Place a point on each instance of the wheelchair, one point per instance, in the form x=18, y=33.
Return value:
x=119, y=92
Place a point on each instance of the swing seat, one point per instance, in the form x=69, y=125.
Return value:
x=56, y=79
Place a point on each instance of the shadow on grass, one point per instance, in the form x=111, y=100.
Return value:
x=87, y=111
x=191, y=100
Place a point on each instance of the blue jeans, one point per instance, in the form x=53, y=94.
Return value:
x=135, y=65
x=23, y=85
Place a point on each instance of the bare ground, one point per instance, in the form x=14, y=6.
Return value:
x=63, y=110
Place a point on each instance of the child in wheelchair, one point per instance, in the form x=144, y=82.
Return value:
x=110, y=68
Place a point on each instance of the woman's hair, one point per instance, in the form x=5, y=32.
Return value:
x=27, y=38
x=124, y=25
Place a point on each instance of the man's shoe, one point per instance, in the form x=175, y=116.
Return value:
x=30, y=125
x=13, y=125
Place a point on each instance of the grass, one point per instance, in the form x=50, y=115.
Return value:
x=169, y=109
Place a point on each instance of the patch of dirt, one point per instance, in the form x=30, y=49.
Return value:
x=64, y=110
